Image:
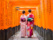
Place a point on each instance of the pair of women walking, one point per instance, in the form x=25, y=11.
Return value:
x=26, y=24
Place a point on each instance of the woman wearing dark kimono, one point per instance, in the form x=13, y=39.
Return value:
x=30, y=23
x=23, y=24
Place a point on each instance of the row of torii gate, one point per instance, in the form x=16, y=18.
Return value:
x=11, y=10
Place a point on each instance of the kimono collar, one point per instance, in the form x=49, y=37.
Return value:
x=30, y=13
x=23, y=15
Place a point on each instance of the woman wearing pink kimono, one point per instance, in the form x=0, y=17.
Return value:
x=23, y=25
x=30, y=23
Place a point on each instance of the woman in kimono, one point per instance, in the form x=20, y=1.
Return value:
x=30, y=23
x=23, y=24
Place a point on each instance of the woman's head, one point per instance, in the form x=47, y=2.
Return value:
x=29, y=10
x=23, y=12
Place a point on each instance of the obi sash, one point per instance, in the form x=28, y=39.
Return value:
x=29, y=19
x=23, y=19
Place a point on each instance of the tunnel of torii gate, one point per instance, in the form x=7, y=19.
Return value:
x=11, y=10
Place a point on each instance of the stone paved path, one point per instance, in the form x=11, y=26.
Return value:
x=17, y=36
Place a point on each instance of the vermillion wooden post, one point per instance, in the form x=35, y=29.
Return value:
x=35, y=19
x=42, y=17
x=45, y=16
x=7, y=19
x=2, y=32
x=16, y=9
x=49, y=13
x=15, y=19
x=52, y=17
x=0, y=18
x=11, y=18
